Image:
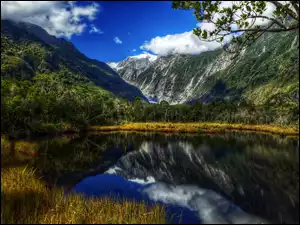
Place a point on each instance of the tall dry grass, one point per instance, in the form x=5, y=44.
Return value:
x=26, y=199
x=198, y=127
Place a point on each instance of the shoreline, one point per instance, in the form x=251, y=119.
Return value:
x=200, y=128
x=196, y=128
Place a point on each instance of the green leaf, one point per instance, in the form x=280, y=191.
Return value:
x=204, y=34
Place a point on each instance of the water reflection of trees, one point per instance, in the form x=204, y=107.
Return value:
x=258, y=172
x=269, y=178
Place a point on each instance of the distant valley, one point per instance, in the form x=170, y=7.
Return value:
x=266, y=72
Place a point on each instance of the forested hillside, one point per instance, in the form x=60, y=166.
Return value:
x=28, y=50
x=48, y=86
x=46, y=82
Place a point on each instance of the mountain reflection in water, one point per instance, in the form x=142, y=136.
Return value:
x=248, y=170
x=226, y=178
x=184, y=203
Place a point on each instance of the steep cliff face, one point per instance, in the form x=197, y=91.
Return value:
x=133, y=66
x=265, y=72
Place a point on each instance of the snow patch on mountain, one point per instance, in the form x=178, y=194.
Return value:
x=113, y=65
x=145, y=55
x=137, y=61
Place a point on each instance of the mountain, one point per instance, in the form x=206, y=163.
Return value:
x=265, y=72
x=28, y=50
x=133, y=66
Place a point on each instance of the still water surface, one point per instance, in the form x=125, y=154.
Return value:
x=228, y=178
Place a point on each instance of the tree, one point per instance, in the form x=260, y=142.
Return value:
x=137, y=108
x=164, y=103
x=222, y=21
x=165, y=107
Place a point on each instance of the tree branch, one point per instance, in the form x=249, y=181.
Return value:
x=291, y=13
x=272, y=19
x=266, y=29
x=296, y=7
x=254, y=19
x=240, y=46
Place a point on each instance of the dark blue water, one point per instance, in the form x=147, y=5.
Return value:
x=118, y=188
x=213, y=207
x=202, y=179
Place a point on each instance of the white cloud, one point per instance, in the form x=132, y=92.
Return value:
x=206, y=26
x=151, y=57
x=81, y=12
x=188, y=43
x=134, y=50
x=113, y=65
x=117, y=40
x=185, y=43
x=57, y=18
x=94, y=29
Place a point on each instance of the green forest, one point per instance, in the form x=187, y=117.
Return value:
x=49, y=88
x=51, y=103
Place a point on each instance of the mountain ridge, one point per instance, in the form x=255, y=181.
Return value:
x=55, y=54
x=214, y=75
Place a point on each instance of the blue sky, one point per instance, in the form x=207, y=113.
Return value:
x=133, y=23
x=94, y=27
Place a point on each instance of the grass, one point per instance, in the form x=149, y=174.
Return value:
x=26, y=199
x=17, y=152
x=198, y=128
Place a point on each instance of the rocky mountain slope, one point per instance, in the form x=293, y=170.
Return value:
x=28, y=50
x=133, y=66
x=266, y=72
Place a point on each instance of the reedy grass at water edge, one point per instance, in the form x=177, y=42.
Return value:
x=26, y=199
x=198, y=128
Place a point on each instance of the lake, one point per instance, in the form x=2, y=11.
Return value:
x=225, y=178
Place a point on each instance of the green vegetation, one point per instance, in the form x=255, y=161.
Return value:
x=46, y=104
x=25, y=55
x=242, y=14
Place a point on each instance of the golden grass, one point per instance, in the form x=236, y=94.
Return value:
x=198, y=128
x=5, y=145
x=22, y=150
x=26, y=199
